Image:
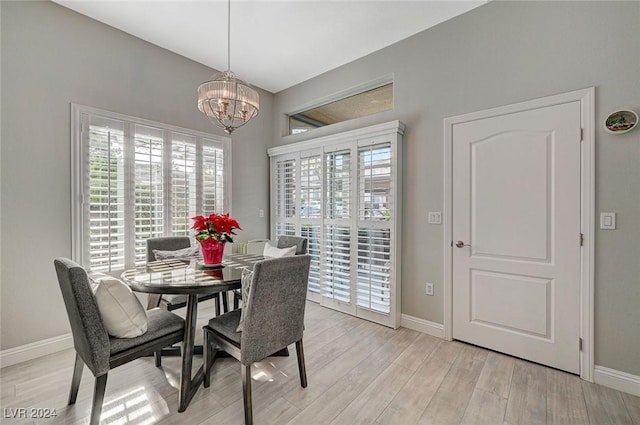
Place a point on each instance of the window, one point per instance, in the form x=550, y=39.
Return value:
x=340, y=192
x=134, y=179
x=361, y=101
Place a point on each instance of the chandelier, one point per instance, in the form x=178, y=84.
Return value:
x=226, y=100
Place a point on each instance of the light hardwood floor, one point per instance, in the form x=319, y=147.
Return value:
x=359, y=373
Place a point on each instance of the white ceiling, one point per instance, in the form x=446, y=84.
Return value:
x=274, y=44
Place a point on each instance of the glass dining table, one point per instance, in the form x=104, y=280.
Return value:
x=189, y=277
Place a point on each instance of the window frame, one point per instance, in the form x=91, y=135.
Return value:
x=79, y=184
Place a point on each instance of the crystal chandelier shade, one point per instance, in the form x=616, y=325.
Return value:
x=226, y=100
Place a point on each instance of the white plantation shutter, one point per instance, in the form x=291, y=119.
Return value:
x=149, y=188
x=105, y=222
x=337, y=263
x=374, y=177
x=135, y=179
x=310, y=187
x=213, y=186
x=312, y=233
x=285, y=202
x=183, y=183
x=374, y=264
x=311, y=212
x=337, y=231
x=286, y=175
x=338, y=185
x=341, y=193
x=374, y=231
x=285, y=229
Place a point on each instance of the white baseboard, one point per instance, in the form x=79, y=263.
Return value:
x=35, y=349
x=617, y=380
x=421, y=325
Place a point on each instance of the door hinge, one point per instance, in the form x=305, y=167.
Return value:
x=581, y=134
x=581, y=239
x=580, y=344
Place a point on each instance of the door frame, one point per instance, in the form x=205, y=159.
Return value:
x=586, y=97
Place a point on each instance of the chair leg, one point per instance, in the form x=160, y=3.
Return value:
x=206, y=354
x=302, y=370
x=246, y=393
x=225, y=302
x=216, y=300
x=75, y=381
x=158, y=357
x=98, y=398
x=236, y=301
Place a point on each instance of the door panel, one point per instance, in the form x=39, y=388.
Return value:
x=526, y=302
x=516, y=202
x=525, y=159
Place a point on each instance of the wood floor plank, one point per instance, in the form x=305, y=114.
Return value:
x=277, y=412
x=333, y=371
x=633, y=407
x=417, y=352
x=448, y=405
x=372, y=401
x=527, y=402
x=321, y=336
x=338, y=396
x=411, y=401
x=496, y=374
x=605, y=405
x=565, y=400
x=484, y=408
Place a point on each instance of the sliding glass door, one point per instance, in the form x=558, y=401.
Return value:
x=341, y=193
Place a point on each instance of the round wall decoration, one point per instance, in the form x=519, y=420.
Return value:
x=621, y=121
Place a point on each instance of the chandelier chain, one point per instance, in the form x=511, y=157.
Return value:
x=229, y=35
x=226, y=100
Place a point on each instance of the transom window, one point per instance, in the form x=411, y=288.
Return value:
x=134, y=179
x=356, y=102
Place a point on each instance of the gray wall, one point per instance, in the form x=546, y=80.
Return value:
x=502, y=53
x=51, y=57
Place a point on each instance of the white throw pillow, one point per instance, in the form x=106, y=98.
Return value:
x=122, y=314
x=191, y=251
x=273, y=252
x=95, y=278
x=247, y=278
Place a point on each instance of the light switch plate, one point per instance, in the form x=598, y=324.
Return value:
x=608, y=220
x=429, y=288
x=435, y=217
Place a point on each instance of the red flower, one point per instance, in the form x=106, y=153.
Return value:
x=200, y=223
x=218, y=227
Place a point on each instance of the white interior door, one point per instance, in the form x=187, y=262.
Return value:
x=516, y=209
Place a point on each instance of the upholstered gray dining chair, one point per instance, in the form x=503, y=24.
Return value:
x=283, y=242
x=94, y=347
x=175, y=301
x=289, y=241
x=273, y=318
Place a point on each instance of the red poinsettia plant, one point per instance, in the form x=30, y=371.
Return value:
x=219, y=227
